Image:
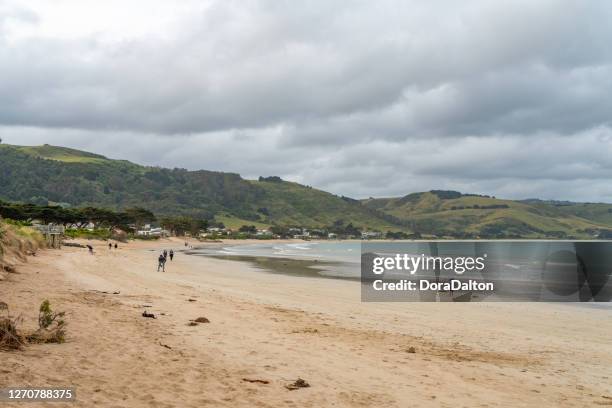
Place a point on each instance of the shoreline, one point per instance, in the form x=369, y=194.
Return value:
x=298, y=265
x=277, y=327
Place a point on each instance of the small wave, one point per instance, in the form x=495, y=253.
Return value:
x=304, y=247
x=513, y=266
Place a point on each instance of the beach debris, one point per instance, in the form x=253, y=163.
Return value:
x=256, y=381
x=297, y=384
x=192, y=323
x=9, y=338
x=307, y=330
x=191, y=300
x=107, y=293
x=9, y=269
x=74, y=245
x=202, y=320
x=411, y=350
x=4, y=306
x=148, y=315
x=165, y=345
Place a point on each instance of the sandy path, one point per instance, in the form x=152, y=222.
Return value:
x=278, y=328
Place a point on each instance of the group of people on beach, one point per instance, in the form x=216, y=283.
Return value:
x=163, y=257
x=110, y=246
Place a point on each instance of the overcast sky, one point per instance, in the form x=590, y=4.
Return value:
x=363, y=98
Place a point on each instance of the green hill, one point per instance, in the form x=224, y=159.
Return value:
x=57, y=175
x=450, y=213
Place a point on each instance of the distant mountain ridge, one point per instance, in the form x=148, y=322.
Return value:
x=69, y=177
x=451, y=213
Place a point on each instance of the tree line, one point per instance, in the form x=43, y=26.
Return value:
x=100, y=217
x=78, y=217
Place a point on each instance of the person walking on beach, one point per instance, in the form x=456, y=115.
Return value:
x=110, y=246
x=116, y=245
x=171, y=255
x=165, y=254
x=161, y=263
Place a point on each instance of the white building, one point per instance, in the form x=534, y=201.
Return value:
x=153, y=232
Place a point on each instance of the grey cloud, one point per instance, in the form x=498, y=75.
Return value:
x=556, y=166
x=262, y=64
x=357, y=98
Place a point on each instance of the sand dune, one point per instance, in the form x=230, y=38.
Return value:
x=279, y=328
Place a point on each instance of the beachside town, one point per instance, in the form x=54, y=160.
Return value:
x=296, y=233
x=56, y=222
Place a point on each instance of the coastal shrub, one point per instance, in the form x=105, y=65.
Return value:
x=17, y=223
x=51, y=326
x=143, y=237
x=100, y=233
x=46, y=317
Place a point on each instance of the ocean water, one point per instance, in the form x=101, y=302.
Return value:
x=344, y=251
x=342, y=259
x=337, y=259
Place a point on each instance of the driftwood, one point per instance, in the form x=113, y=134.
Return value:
x=256, y=381
x=74, y=245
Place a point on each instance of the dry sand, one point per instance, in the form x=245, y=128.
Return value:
x=277, y=328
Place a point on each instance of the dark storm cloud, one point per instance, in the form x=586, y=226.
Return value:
x=484, y=97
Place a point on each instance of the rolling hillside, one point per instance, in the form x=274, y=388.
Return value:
x=68, y=177
x=57, y=175
x=450, y=213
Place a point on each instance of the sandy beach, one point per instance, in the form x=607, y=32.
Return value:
x=278, y=328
